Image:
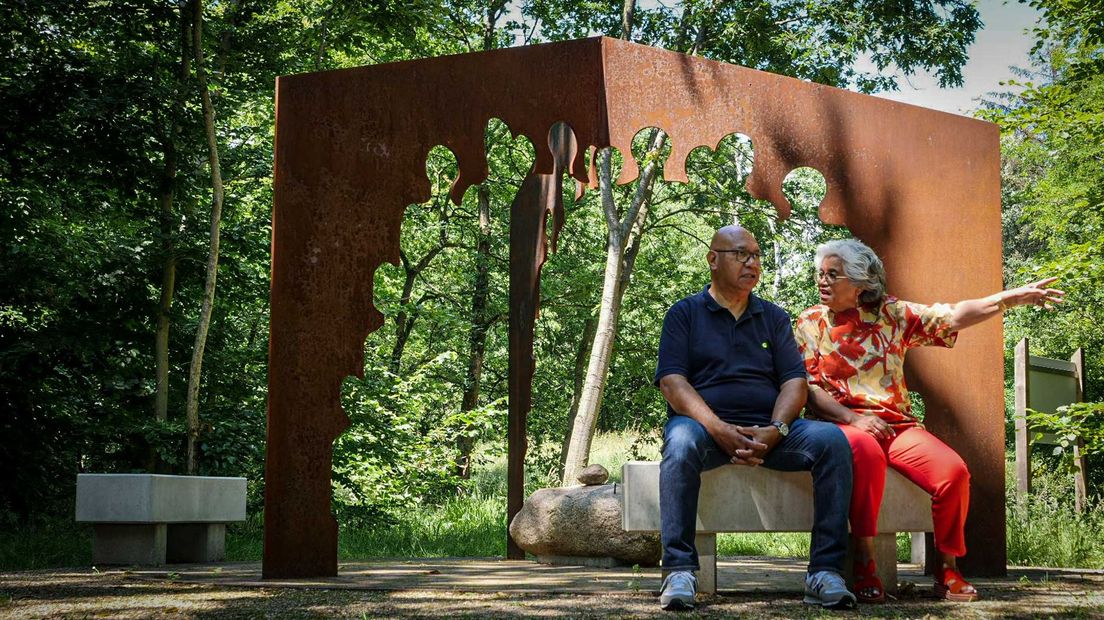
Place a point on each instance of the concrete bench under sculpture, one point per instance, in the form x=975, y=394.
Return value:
x=154, y=519
x=735, y=498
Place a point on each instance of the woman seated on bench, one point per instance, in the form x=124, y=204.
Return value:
x=854, y=344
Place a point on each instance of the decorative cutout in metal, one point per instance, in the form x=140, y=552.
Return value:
x=921, y=187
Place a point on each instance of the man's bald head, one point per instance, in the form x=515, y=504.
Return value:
x=730, y=236
x=733, y=272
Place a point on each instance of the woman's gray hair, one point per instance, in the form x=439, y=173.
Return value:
x=860, y=265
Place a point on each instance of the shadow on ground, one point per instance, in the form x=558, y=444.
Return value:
x=750, y=588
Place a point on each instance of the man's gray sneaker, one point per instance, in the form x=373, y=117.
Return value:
x=678, y=591
x=828, y=590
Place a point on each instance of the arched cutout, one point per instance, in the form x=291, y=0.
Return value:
x=651, y=146
x=795, y=238
x=805, y=188
x=720, y=174
x=413, y=296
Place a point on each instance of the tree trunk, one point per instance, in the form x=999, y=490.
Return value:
x=233, y=16
x=582, y=356
x=167, y=230
x=624, y=235
x=494, y=11
x=477, y=335
x=628, y=7
x=404, y=323
x=590, y=400
x=320, y=53
x=194, y=371
x=776, y=242
x=404, y=320
x=619, y=262
x=164, y=306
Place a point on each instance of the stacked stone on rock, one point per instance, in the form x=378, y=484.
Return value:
x=593, y=474
x=559, y=525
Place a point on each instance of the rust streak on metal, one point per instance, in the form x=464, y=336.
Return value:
x=920, y=186
x=540, y=198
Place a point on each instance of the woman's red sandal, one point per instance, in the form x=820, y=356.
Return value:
x=868, y=587
x=953, y=587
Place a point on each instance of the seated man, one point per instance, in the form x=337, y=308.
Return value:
x=735, y=384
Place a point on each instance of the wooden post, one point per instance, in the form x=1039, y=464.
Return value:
x=1080, y=472
x=1023, y=433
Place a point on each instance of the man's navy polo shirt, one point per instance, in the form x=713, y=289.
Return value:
x=737, y=365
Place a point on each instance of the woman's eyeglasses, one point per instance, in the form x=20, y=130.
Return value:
x=829, y=276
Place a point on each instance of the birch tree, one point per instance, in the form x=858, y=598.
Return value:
x=167, y=224
x=195, y=369
x=624, y=229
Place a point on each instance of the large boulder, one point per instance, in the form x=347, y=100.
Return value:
x=582, y=522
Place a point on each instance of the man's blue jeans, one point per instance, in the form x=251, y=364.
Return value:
x=819, y=447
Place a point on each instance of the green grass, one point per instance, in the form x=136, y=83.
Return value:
x=1045, y=530
x=245, y=541
x=470, y=526
x=780, y=545
x=49, y=544
x=613, y=450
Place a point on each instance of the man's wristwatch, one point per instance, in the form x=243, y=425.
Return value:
x=783, y=428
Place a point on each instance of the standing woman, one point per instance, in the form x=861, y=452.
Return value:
x=854, y=344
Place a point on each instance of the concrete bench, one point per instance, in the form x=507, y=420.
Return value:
x=154, y=519
x=736, y=498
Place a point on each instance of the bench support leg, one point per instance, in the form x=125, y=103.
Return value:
x=885, y=557
x=196, y=542
x=707, y=560
x=919, y=547
x=158, y=543
x=128, y=543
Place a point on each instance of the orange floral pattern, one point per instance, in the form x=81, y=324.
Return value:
x=858, y=355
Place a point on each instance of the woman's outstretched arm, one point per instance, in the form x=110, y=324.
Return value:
x=973, y=311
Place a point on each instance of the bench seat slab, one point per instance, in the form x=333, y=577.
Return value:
x=156, y=498
x=735, y=498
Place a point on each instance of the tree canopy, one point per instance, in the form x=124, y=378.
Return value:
x=105, y=184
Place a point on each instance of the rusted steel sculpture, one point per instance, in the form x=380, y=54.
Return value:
x=921, y=187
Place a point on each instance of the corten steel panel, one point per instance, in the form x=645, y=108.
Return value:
x=351, y=147
x=539, y=199
x=921, y=187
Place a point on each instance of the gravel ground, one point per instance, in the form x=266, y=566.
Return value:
x=119, y=594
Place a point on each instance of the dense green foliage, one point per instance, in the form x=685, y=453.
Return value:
x=98, y=103
x=90, y=93
x=1053, y=196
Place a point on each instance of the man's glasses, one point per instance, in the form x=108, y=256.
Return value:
x=741, y=255
x=829, y=276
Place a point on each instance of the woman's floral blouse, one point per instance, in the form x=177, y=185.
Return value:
x=858, y=355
